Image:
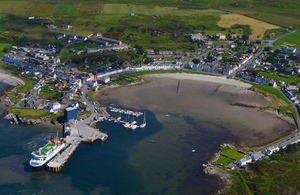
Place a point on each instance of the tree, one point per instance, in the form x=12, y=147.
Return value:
x=196, y=61
x=139, y=49
x=5, y=50
x=245, y=37
x=148, y=60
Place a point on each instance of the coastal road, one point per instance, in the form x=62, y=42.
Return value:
x=293, y=106
x=89, y=103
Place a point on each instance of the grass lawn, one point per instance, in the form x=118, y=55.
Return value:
x=272, y=92
x=125, y=79
x=258, y=27
x=25, y=88
x=172, y=71
x=232, y=153
x=91, y=96
x=2, y=46
x=281, y=102
x=292, y=40
x=84, y=113
x=223, y=160
x=28, y=113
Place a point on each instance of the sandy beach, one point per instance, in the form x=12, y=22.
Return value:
x=8, y=78
x=210, y=100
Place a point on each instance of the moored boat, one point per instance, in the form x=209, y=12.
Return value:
x=46, y=153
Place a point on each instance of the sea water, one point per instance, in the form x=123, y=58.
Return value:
x=157, y=159
x=130, y=162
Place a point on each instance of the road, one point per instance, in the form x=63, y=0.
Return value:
x=62, y=51
x=89, y=104
x=293, y=106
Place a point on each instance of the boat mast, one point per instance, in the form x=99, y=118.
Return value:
x=56, y=137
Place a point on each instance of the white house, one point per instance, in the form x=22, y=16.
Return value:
x=244, y=161
x=270, y=150
x=105, y=79
x=53, y=107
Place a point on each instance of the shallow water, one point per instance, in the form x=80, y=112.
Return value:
x=157, y=159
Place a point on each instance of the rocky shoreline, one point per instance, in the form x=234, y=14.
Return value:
x=17, y=120
x=210, y=169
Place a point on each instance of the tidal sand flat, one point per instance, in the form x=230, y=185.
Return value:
x=205, y=98
x=197, y=113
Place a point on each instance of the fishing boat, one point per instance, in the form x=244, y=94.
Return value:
x=144, y=123
x=103, y=137
x=127, y=124
x=46, y=153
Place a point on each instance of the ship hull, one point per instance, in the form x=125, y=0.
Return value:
x=44, y=163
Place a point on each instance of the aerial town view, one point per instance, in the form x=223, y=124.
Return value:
x=151, y=97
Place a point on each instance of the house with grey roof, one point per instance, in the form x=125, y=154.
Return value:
x=243, y=161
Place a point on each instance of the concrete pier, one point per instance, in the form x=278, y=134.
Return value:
x=76, y=132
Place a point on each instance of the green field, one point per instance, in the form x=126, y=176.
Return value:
x=89, y=9
x=2, y=46
x=274, y=93
x=291, y=40
x=164, y=25
x=295, y=80
x=91, y=96
x=124, y=79
x=277, y=175
x=223, y=160
x=65, y=8
x=25, y=88
x=156, y=10
x=232, y=153
x=28, y=113
x=281, y=103
x=42, y=10
x=173, y=71
x=7, y=6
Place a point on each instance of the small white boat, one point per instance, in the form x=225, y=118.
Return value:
x=133, y=127
x=126, y=125
x=144, y=123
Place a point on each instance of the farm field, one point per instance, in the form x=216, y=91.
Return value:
x=64, y=9
x=42, y=10
x=7, y=5
x=155, y=10
x=258, y=27
x=292, y=40
x=22, y=9
x=279, y=17
x=88, y=9
x=164, y=32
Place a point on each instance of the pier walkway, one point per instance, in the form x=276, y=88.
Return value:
x=78, y=132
